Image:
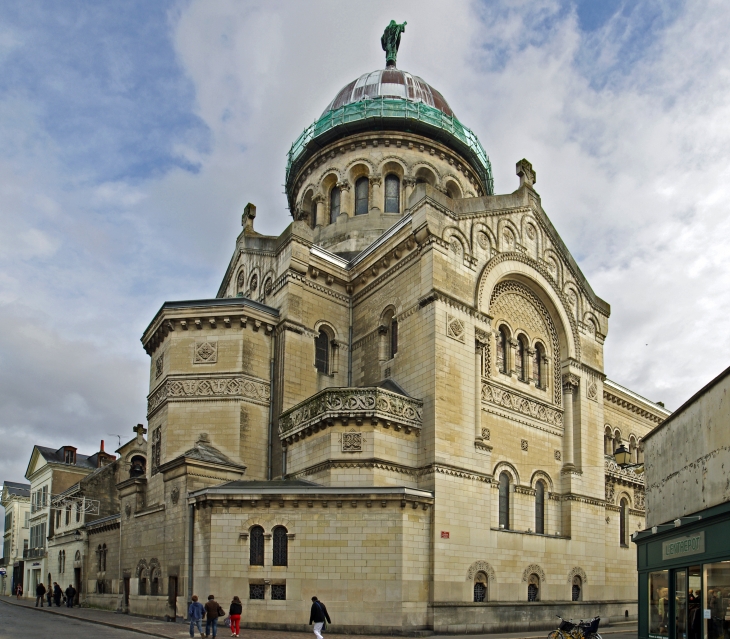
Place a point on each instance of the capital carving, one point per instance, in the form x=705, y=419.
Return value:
x=343, y=186
x=571, y=382
x=376, y=180
x=408, y=181
x=317, y=199
x=382, y=329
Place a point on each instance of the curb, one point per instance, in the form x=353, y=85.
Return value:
x=96, y=621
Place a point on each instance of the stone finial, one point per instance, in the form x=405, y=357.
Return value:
x=203, y=438
x=141, y=431
x=528, y=177
x=249, y=213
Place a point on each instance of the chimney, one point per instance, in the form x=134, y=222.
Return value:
x=102, y=446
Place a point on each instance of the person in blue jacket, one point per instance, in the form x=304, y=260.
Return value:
x=195, y=614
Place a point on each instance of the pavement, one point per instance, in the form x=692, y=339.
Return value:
x=20, y=614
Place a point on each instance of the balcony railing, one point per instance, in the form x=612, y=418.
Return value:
x=34, y=553
x=351, y=404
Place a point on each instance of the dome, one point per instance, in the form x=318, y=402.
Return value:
x=389, y=83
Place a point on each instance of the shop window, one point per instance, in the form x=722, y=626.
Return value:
x=334, y=204
x=680, y=603
x=280, y=556
x=540, y=507
x=362, y=186
x=717, y=599
x=278, y=592
x=694, y=603
x=256, y=591
x=504, y=490
x=392, y=194
x=658, y=603
x=257, y=546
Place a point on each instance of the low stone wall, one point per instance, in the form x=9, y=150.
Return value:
x=105, y=602
x=462, y=618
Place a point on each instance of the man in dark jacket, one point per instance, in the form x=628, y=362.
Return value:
x=318, y=615
x=70, y=596
x=212, y=612
x=57, y=594
x=40, y=591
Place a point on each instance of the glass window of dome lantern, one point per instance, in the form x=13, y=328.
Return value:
x=392, y=194
x=361, y=196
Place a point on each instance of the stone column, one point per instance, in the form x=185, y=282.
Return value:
x=480, y=343
x=570, y=388
x=409, y=184
x=511, y=356
x=345, y=199
x=530, y=373
x=319, y=212
x=376, y=193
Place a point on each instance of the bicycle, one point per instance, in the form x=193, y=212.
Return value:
x=564, y=630
x=582, y=630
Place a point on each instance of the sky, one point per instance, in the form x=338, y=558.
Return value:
x=132, y=134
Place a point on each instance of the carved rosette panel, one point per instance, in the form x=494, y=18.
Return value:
x=455, y=328
x=352, y=442
x=205, y=352
x=533, y=569
x=355, y=404
x=493, y=394
x=253, y=390
x=480, y=566
x=159, y=362
x=577, y=572
x=523, y=309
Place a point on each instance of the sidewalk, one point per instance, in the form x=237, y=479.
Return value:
x=167, y=630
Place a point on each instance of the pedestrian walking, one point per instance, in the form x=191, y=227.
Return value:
x=70, y=596
x=19, y=591
x=57, y=594
x=49, y=593
x=212, y=612
x=40, y=592
x=195, y=614
x=319, y=617
x=235, y=614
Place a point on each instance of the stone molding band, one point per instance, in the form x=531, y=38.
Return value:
x=523, y=404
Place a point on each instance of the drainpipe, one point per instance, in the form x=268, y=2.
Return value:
x=349, y=350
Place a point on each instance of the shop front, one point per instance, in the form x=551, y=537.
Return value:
x=684, y=577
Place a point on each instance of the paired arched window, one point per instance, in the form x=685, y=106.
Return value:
x=540, y=507
x=623, y=522
x=256, y=546
x=392, y=194
x=521, y=359
x=537, y=366
x=322, y=352
x=78, y=513
x=502, y=350
x=280, y=546
x=362, y=188
x=334, y=204
x=68, y=514
x=480, y=587
x=533, y=588
x=504, y=480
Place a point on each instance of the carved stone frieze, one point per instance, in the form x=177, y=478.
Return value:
x=351, y=404
x=533, y=569
x=480, y=566
x=493, y=394
x=178, y=389
x=623, y=475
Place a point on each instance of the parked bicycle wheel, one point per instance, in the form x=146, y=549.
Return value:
x=556, y=634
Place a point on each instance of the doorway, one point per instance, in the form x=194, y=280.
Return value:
x=172, y=597
x=77, y=585
x=126, y=594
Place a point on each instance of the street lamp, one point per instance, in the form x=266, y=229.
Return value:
x=622, y=457
x=77, y=535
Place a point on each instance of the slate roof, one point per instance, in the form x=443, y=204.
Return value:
x=204, y=452
x=392, y=386
x=58, y=456
x=14, y=488
x=274, y=483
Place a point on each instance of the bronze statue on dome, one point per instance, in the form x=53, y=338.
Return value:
x=390, y=41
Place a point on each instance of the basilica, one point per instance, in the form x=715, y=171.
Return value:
x=398, y=404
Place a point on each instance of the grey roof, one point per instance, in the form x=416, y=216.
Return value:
x=14, y=488
x=274, y=483
x=206, y=453
x=58, y=456
x=392, y=386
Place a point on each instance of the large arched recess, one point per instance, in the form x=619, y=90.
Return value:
x=528, y=272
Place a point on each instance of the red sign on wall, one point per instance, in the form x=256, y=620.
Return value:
x=444, y=534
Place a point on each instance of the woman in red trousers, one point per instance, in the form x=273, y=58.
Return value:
x=234, y=612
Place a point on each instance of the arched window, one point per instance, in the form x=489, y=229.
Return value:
x=608, y=441
x=623, y=521
x=63, y=567
x=60, y=561
x=392, y=194
x=639, y=453
x=632, y=449
x=280, y=546
x=393, y=337
x=480, y=587
x=388, y=332
x=334, y=204
x=577, y=588
x=240, y=282
x=98, y=554
x=362, y=186
x=322, y=352
x=540, y=507
x=68, y=514
x=502, y=350
x=103, y=557
x=504, y=500
x=155, y=582
x=520, y=361
x=616, y=440
x=257, y=546
x=537, y=365
x=533, y=588
x=78, y=513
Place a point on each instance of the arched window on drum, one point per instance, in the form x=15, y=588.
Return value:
x=392, y=194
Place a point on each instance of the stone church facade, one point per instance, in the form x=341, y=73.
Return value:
x=399, y=404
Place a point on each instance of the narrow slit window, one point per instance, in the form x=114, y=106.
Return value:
x=392, y=194
x=256, y=550
x=393, y=337
x=504, y=501
x=322, y=352
x=334, y=204
x=540, y=508
x=362, y=186
x=280, y=546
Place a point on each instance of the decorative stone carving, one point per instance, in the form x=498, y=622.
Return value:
x=533, y=569
x=639, y=499
x=624, y=475
x=158, y=365
x=240, y=280
x=558, y=455
x=531, y=231
x=577, y=572
x=206, y=352
x=523, y=444
x=486, y=434
x=455, y=328
x=509, y=239
x=592, y=390
x=175, y=495
x=254, y=282
x=356, y=404
x=176, y=389
x=493, y=394
x=483, y=240
x=128, y=510
x=156, y=450
x=610, y=493
x=352, y=442
x=570, y=382
x=515, y=302
x=456, y=247
x=480, y=566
